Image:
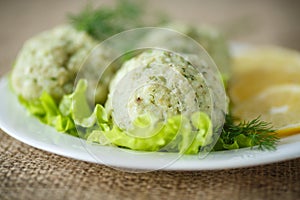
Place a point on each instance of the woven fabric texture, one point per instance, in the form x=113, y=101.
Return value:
x=29, y=173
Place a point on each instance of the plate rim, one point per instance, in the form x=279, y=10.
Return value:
x=185, y=163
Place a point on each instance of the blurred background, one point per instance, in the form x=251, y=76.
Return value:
x=255, y=22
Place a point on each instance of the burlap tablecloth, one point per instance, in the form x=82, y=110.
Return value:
x=29, y=173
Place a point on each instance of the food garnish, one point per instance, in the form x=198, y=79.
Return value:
x=265, y=82
x=242, y=134
x=183, y=129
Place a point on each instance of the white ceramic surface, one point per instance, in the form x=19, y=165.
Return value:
x=15, y=121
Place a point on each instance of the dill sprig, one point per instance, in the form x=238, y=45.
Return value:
x=104, y=21
x=247, y=134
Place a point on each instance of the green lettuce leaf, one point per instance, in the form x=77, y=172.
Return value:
x=47, y=111
x=239, y=141
x=71, y=114
x=76, y=106
x=175, y=135
x=74, y=116
x=203, y=135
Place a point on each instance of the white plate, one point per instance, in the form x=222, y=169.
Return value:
x=15, y=121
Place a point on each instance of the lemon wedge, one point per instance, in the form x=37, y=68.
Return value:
x=266, y=83
x=256, y=70
x=279, y=105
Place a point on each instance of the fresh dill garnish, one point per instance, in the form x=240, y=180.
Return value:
x=247, y=134
x=104, y=21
